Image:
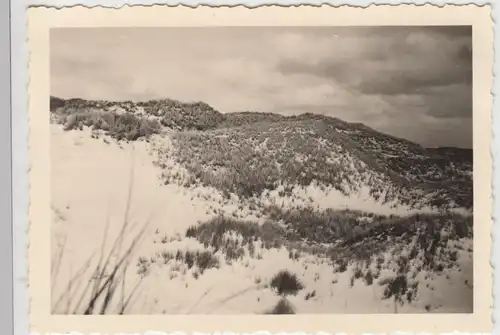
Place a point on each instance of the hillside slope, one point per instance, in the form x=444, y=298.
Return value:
x=364, y=222
x=248, y=153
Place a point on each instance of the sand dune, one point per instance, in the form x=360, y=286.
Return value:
x=91, y=180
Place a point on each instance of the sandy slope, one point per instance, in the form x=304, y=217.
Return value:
x=90, y=183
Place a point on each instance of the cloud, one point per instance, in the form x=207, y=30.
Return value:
x=426, y=70
x=385, y=77
x=398, y=63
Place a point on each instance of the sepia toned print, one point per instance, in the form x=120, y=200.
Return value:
x=237, y=170
x=273, y=185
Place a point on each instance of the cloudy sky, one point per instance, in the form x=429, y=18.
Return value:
x=411, y=82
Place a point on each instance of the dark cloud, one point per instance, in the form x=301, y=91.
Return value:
x=450, y=31
x=404, y=62
x=453, y=101
x=431, y=63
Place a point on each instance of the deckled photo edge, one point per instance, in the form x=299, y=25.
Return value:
x=41, y=20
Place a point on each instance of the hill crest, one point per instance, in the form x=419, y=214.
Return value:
x=261, y=151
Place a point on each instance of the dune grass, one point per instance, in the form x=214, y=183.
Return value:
x=345, y=239
x=99, y=285
x=248, y=153
x=249, y=161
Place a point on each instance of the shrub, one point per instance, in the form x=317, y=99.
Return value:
x=397, y=288
x=212, y=232
x=358, y=273
x=126, y=126
x=463, y=228
x=205, y=260
x=341, y=265
x=283, y=307
x=369, y=277
x=286, y=283
x=189, y=259
x=56, y=103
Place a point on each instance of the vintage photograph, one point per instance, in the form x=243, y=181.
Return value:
x=261, y=170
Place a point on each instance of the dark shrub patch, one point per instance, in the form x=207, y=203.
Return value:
x=282, y=307
x=286, y=283
x=397, y=288
x=205, y=260
x=212, y=234
x=369, y=277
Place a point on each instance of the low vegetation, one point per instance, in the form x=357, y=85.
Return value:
x=245, y=156
x=252, y=159
x=426, y=242
x=282, y=307
x=249, y=153
x=200, y=261
x=98, y=287
x=119, y=126
x=286, y=283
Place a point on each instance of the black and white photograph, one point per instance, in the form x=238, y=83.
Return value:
x=261, y=170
